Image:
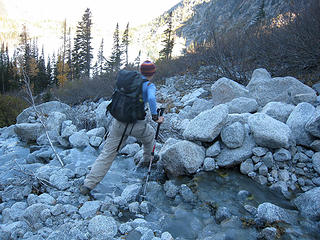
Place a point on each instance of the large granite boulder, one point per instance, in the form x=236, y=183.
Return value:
x=266, y=89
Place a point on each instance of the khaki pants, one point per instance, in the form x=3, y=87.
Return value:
x=142, y=131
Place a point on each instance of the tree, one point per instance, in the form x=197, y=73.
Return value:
x=82, y=51
x=114, y=63
x=260, y=15
x=137, y=60
x=125, y=44
x=99, y=66
x=166, y=52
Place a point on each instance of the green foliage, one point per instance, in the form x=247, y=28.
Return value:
x=114, y=62
x=10, y=108
x=168, y=42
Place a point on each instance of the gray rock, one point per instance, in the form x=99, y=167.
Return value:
x=280, y=89
x=231, y=157
x=224, y=90
x=308, y=203
x=166, y=236
x=45, y=198
x=222, y=214
x=67, y=129
x=259, y=151
x=89, y=209
x=272, y=213
x=58, y=209
x=282, y=188
x=315, y=145
x=170, y=189
x=209, y=164
x=55, y=120
x=282, y=155
x=17, y=229
x=79, y=140
x=125, y=228
x=207, y=125
x=316, y=162
x=29, y=131
x=145, y=207
x=103, y=227
x=263, y=170
x=98, y=132
x=235, y=117
x=14, y=213
x=246, y=167
x=130, y=149
x=268, y=160
x=278, y=110
x=213, y=150
x=269, y=233
x=297, y=122
x=269, y=132
x=7, y=132
x=305, y=97
x=60, y=181
x=134, y=207
x=233, y=135
x=101, y=119
x=187, y=194
x=131, y=192
x=46, y=109
x=242, y=105
x=189, y=98
x=313, y=124
x=33, y=213
x=182, y=157
x=95, y=141
x=43, y=139
x=45, y=214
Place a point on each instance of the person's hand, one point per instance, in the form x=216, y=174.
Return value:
x=160, y=119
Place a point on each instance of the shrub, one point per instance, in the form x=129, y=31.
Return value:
x=10, y=108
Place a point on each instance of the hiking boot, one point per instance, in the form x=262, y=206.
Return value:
x=84, y=190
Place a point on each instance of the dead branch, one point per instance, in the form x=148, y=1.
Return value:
x=39, y=115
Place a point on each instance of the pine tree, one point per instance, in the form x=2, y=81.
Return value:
x=260, y=15
x=99, y=66
x=24, y=50
x=42, y=81
x=82, y=52
x=137, y=60
x=166, y=52
x=114, y=62
x=125, y=44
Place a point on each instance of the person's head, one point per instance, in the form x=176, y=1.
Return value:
x=147, y=69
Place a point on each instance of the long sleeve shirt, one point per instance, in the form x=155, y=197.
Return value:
x=149, y=96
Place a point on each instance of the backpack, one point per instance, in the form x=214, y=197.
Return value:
x=127, y=103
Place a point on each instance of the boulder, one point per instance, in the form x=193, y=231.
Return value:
x=233, y=135
x=79, y=140
x=313, y=124
x=308, y=203
x=242, y=105
x=224, y=90
x=101, y=118
x=207, y=125
x=46, y=109
x=269, y=132
x=189, y=99
x=316, y=162
x=272, y=213
x=265, y=89
x=103, y=227
x=54, y=121
x=278, y=110
x=29, y=131
x=297, y=121
x=232, y=157
x=182, y=157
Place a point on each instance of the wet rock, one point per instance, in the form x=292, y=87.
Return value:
x=269, y=233
x=269, y=132
x=187, y=194
x=222, y=214
x=170, y=189
x=207, y=125
x=315, y=145
x=272, y=213
x=166, y=236
x=308, y=203
x=246, y=167
x=103, y=227
x=233, y=135
x=297, y=122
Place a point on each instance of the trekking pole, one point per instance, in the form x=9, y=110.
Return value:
x=160, y=113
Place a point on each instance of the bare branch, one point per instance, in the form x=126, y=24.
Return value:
x=39, y=115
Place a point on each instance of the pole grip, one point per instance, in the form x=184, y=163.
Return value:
x=160, y=112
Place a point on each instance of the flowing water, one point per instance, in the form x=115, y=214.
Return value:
x=213, y=189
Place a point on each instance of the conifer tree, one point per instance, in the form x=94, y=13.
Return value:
x=166, y=52
x=137, y=60
x=42, y=81
x=125, y=44
x=99, y=66
x=114, y=62
x=82, y=51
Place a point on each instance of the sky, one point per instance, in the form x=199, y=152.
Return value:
x=105, y=14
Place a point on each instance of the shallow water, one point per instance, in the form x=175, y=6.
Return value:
x=213, y=189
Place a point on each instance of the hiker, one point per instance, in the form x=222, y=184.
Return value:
x=140, y=129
